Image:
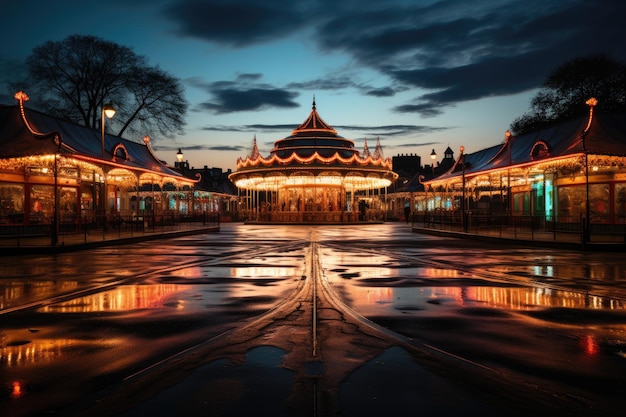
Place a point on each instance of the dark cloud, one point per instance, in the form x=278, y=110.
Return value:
x=249, y=77
x=226, y=148
x=456, y=51
x=341, y=82
x=329, y=82
x=238, y=23
x=230, y=100
x=283, y=130
x=244, y=94
x=186, y=148
x=393, y=130
x=380, y=92
x=447, y=51
x=231, y=97
x=417, y=145
x=251, y=128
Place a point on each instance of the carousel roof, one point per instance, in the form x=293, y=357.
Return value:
x=314, y=143
x=314, y=150
x=314, y=135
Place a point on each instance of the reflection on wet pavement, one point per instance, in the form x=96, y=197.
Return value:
x=25, y=290
x=509, y=308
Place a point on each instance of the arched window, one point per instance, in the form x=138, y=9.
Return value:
x=120, y=152
x=540, y=150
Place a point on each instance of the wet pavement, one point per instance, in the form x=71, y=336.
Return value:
x=321, y=321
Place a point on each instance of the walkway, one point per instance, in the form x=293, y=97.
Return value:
x=17, y=245
x=76, y=241
x=528, y=237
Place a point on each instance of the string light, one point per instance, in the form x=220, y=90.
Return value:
x=316, y=157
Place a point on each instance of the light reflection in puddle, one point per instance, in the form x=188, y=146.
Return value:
x=13, y=291
x=383, y=300
x=262, y=272
x=179, y=297
x=44, y=351
x=124, y=298
x=236, y=272
x=600, y=272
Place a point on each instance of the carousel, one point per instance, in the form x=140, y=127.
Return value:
x=314, y=176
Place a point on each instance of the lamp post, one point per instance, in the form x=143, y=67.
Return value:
x=180, y=166
x=463, y=214
x=592, y=102
x=55, y=221
x=433, y=157
x=179, y=158
x=108, y=111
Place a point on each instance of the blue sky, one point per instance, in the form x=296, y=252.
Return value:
x=418, y=74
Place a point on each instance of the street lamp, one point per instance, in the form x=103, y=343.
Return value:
x=433, y=156
x=179, y=156
x=108, y=111
x=463, y=213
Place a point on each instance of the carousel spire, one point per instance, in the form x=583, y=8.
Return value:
x=314, y=123
x=378, y=151
x=366, y=150
x=255, y=149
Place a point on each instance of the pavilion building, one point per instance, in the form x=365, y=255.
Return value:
x=314, y=175
x=571, y=176
x=57, y=173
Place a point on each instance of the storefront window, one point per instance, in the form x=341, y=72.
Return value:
x=599, y=202
x=11, y=203
x=68, y=198
x=41, y=203
x=620, y=202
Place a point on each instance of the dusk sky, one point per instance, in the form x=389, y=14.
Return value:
x=418, y=74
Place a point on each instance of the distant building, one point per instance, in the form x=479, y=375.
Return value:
x=214, y=183
x=409, y=183
x=407, y=165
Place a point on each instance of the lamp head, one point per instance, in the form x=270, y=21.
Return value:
x=108, y=110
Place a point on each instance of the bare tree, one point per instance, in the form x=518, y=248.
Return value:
x=564, y=93
x=73, y=79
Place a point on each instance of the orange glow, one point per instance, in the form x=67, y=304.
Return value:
x=125, y=298
x=590, y=345
x=275, y=181
x=316, y=157
x=17, y=390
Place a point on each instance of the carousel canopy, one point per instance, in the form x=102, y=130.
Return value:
x=314, y=155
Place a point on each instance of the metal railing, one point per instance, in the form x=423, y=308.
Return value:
x=77, y=229
x=526, y=226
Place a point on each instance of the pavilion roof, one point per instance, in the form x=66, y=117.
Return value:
x=25, y=132
x=598, y=134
